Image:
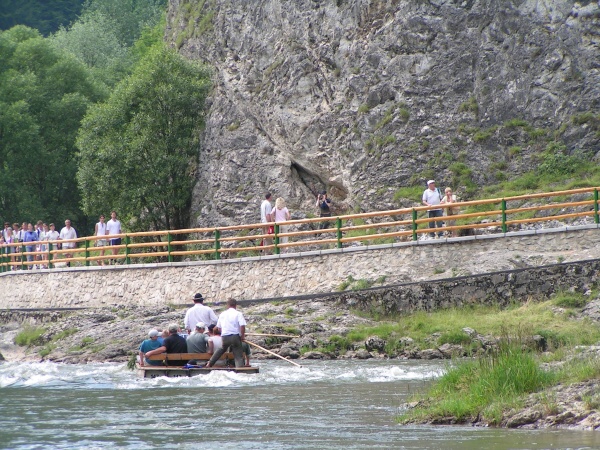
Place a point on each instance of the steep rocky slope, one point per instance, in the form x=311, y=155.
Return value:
x=363, y=97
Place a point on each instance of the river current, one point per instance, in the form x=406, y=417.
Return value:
x=322, y=405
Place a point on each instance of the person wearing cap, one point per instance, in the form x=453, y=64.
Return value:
x=173, y=344
x=199, y=313
x=198, y=342
x=233, y=332
x=432, y=197
x=147, y=345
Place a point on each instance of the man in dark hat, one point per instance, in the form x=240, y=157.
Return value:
x=199, y=313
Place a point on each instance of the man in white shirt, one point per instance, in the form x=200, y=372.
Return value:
x=113, y=226
x=265, y=217
x=68, y=232
x=432, y=197
x=233, y=332
x=199, y=313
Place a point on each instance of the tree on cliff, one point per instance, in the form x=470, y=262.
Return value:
x=139, y=150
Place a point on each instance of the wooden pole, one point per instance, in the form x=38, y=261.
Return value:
x=272, y=335
x=272, y=353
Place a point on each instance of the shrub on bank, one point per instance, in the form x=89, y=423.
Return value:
x=29, y=336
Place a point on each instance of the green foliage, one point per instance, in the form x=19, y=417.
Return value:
x=404, y=114
x=128, y=17
x=556, y=162
x=44, y=94
x=144, y=140
x=462, y=175
x=346, y=283
x=514, y=123
x=482, y=135
x=93, y=40
x=470, y=105
x=197, y=15
x=570, y=300
x=29, y=336
x=43, y=15
x=587, y=117
x=364, y=108
x=471, y=389
x=455, y=337
x=64, y=334
x=132, y=361
x=362, y=284
x=532, y=316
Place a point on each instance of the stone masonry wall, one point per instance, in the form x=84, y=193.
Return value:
x=314, y=272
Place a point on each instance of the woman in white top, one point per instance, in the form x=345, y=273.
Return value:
x=281, y=214
x=100, y=230
x=450, y=198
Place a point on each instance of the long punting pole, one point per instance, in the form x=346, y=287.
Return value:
x=272, y=353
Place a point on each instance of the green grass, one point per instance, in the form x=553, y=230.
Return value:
x=410, y=192
x=485, y=387
x=29, y=336
x=534, y=317
x=570, y=300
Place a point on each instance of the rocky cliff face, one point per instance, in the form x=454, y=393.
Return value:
x=364, y=97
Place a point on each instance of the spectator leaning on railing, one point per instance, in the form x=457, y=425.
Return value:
x=68, y=232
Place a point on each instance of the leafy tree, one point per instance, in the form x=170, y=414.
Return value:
x=139, y=149
x=44, y=94
x=93, y=40
x=129, y=17
x=43, y=15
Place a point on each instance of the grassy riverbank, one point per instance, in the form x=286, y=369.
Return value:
x=499, y=379
x=557, y=320
x=485, y=389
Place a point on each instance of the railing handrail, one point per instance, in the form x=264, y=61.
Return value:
x=16, y=254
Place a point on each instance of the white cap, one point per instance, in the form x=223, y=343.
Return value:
x=430, y=181
x=153, y=333
x=200, y=325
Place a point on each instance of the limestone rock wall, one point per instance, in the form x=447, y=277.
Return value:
x=363, y=97
x=309, y=273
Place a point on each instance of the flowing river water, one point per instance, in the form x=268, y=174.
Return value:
x=322, y=405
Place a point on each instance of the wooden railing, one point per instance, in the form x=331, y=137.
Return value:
x=309, y=234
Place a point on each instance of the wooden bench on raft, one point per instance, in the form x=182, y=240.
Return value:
x=201, y=358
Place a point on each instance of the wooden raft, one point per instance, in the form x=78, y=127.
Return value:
x=149, y=371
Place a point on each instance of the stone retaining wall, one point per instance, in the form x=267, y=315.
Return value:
x=499, y=288
x=306, y=273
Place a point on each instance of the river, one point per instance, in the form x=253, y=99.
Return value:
x=325, y=404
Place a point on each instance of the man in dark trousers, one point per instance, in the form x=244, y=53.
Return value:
x=323, y=203
x=233, y=331
x=172, y=344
